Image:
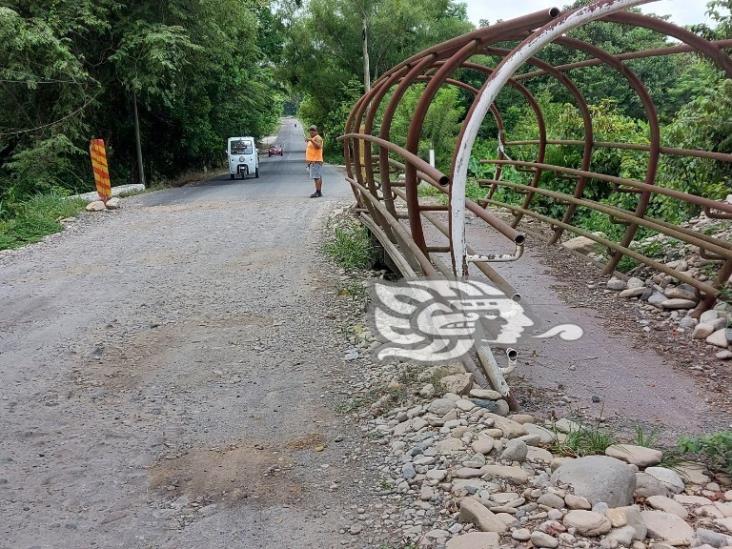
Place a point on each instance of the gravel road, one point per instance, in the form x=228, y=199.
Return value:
x=167, y=370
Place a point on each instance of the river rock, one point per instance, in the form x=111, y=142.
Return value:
x=581, y=244
x=508, y=473
x=487, y=394
x=662, y=503
x=703, y=331
x=475, y=540
x=550, y=500
x=541, y=539
x=471, y=510
x=515, y=450
x=587, y=523
x=450, y=445
x=577, y=502
x=538, y=455
x=683, y=291
x=457, y=383
x=633, y=292
x=545, y=435
x=114, y=203
x=719, y=338
x=622, y=536
x=598, y=478
x=656, y=299
x=96, y=206
x=616, y=284
x=709, y=316
x=441, y=406
x=670, y=479
x=637, y=455
x=710, y=537
x=567, y=426
x=483, y=445
x=647, y=485
x=510, y=428
x=667, y=527
x=628, y=516
x=677, y=303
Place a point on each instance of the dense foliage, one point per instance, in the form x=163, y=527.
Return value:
x=71, y=69
x=694, y=104
x=323, y=58
x=199, y=72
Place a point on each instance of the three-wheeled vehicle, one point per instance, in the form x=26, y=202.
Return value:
x=243, y=157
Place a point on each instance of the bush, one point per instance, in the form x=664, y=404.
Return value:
x=716, y=449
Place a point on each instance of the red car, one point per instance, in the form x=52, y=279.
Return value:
x=275, y=149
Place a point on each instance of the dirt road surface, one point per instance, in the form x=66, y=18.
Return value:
x=165, y=370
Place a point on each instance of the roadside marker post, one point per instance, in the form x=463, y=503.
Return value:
x=100, y=169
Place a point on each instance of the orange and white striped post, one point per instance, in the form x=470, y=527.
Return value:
x=99, y=167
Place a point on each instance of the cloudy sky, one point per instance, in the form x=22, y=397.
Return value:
x=682, y=12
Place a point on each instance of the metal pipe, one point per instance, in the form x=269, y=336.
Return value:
x=721, y=157
x=686, y=197
x=705, y=288
x=587, y=143
x=625, y=57
x=490, y=273
x=411, y=158
x=422, y=260
x=506, y=68
x=697, y=239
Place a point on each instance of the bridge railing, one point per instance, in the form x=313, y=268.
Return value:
x=398, y=216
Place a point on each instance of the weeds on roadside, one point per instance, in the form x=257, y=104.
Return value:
x=350, y=246
x=645, y=438
x=715, y=449
x=31, y=220
x=584, y=441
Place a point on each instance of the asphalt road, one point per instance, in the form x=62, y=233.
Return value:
x=281, y=177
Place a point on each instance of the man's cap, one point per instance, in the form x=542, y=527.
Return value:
x=314, y=127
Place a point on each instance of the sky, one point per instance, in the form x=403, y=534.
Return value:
x=682, y=12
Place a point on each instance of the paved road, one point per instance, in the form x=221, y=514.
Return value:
x=281, y=178
x=165, y=369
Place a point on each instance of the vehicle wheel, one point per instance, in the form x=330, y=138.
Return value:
x=256, y=173
x=231, y=175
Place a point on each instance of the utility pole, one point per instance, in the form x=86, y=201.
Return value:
x=366, y=67
x=138, y=144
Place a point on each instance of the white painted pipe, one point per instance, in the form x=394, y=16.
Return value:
x=487, y=96
x=432, y=157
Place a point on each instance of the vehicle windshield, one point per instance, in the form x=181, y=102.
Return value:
x=241, y=147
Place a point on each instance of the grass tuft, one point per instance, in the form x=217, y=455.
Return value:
x=646, y=439
x=31, y=220
x=585, y=441
x=350, y=246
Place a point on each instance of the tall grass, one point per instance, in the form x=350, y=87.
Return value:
x=29, y=221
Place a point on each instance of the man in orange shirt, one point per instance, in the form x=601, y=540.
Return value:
x=314, y=160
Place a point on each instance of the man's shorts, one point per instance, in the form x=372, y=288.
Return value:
x=316, y=170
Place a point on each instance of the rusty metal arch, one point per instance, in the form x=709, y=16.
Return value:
x=435, y=66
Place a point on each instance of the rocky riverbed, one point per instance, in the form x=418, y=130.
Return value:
x=458, y=470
